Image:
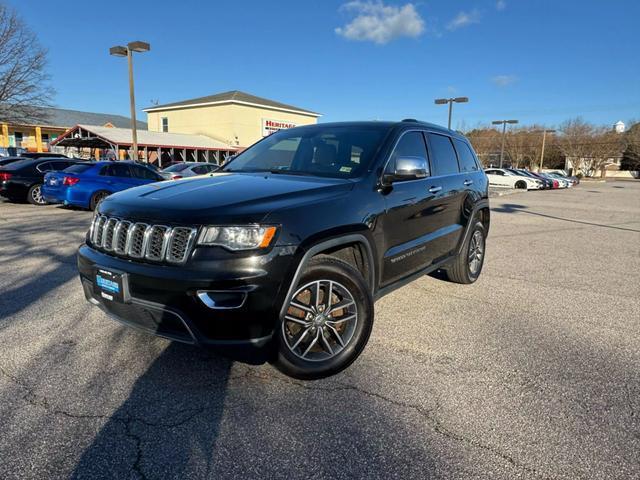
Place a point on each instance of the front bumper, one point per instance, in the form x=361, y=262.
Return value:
x=164, y=300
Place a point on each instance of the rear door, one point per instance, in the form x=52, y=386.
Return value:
x=117, y=177
x=411, y=217
x=451, y=196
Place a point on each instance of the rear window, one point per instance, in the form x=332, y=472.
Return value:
x=78, y=168
x=178, y=167
x=18, y=164
x=444, y=158
x=465, y=156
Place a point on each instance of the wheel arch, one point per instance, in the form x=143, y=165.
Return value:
x=480, y=212
x=339, y=247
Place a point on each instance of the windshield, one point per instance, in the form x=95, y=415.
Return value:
x=327, y=151
x=178, y=167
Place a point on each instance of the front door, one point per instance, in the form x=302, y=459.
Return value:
x=412, y=215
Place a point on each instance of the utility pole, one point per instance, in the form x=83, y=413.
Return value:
x=450, y=101
x=544, y=138
x=504, y=134
x=120, y=51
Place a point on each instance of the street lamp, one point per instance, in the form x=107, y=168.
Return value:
x=450, y=101
x=544, y=138
x=504, y=131
x=120, y=51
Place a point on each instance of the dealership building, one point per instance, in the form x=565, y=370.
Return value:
x=234, y=118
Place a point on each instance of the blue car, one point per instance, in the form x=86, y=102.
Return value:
x=86, y=184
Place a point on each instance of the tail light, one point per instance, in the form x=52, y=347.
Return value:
x=176, y=177
x=4, y=176
x=70, y=181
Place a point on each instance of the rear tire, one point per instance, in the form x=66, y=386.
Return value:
x=315, y=339
x=96, y=198
x=467, y=266
x=34, y=195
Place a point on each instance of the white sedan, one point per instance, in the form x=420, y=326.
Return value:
x=499, y=177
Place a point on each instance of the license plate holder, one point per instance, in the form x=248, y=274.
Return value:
x=111, y=285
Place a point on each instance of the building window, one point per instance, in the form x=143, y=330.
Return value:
x=18, y=137
x=165, y=124
x=45, y=141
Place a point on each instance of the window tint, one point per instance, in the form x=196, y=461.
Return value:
x=200, y=169
x=116, y=170
x=331, y=151
x=178, y=167
x=443, y=155
x=78, y=168
x=494, y=172
x=465, y=156
x=45, y=167
x=60, y=165
x=410, y=145
x=143, y=172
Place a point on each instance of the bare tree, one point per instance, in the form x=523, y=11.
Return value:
x=24, y=83
x=631, y=156
x=485, y=141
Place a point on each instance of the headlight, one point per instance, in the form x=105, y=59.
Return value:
x=238, y=238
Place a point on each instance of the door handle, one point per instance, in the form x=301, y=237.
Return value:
x=468, y=182
x=435, y=189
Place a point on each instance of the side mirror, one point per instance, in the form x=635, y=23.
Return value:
x=408, y=168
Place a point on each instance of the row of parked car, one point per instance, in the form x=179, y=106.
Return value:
x=528, y=180
x=42, y=178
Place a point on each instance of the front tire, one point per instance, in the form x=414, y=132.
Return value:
x=34, y=195
x=521, y=185
x=327, y=322
x=468, y=264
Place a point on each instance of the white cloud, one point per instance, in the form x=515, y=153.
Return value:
x=451, y=89
x=379, y=23
x=504, y=80
x=464, y=19
x=501, y=4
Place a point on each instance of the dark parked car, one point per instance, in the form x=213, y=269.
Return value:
x=7, y=160
x=287, y=248
x=42, y=155
x=22, y=180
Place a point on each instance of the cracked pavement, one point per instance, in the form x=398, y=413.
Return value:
x=532, y=372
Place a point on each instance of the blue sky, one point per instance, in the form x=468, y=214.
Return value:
x=540, y=61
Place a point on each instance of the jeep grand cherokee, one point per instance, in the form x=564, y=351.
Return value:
x=288, y=245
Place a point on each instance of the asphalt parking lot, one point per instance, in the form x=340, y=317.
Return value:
x=532, y=372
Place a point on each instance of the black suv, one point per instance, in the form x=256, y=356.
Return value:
x=290, y=243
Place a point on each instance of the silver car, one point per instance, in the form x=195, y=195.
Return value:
x=188, y=169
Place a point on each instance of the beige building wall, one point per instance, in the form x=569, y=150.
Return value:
x=236, y=124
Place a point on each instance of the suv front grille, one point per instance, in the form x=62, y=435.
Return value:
x=156, y=243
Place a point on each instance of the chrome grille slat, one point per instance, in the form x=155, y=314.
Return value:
x=156, y=243
x=120, y=237
x=108, y=233
x=180, y=244
x=97, y=231
x=136, y=240
x=158, y=240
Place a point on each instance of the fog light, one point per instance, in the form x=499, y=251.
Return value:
x=222, y=299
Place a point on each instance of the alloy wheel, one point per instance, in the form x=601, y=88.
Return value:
x=36, y=194
x=476, y=251
x=320, y=320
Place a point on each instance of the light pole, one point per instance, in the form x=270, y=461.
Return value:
x=544, y=138
x=504, y=132
x=120, y=51
x=450, y=101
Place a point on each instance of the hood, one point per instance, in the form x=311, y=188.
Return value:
x=220, y=197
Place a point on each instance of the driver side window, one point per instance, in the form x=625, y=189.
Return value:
x=410, y=145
